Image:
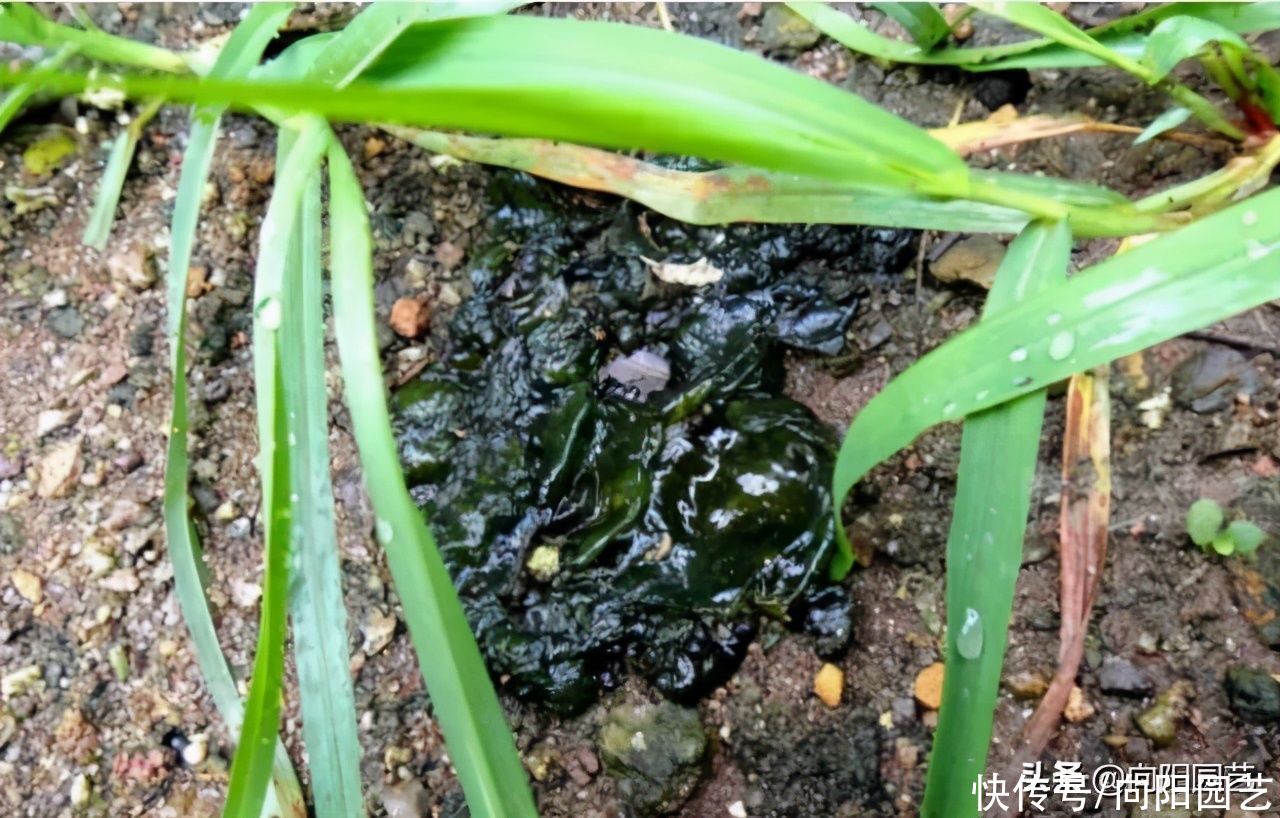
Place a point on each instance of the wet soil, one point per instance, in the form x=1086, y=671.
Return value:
x=101, y=685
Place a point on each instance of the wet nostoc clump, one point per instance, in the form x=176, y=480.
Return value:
x=608, y=463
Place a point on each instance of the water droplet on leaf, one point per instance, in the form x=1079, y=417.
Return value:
x=969, y=639
x=1061, y=345
x=949, y=408
x=383, y=531
x=269, y=313
x=1053, y=318
x=1018, y=355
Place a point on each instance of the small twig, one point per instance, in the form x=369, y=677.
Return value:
x=1085, y=516
x=1234, y=341
x=925, y=239
x=663, y=16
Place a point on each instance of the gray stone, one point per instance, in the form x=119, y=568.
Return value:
x=783, y=31
x=1120, y=676
x=1209, y=380
x=1254, y=695
x=65, y=321
x=655, y=751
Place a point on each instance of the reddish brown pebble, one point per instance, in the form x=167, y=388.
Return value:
x=128, y=462
x=409, y=317
x=448, y=254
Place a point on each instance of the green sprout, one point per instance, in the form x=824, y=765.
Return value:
x=1205, y=520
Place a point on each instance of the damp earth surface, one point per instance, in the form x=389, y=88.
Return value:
x=610, y=466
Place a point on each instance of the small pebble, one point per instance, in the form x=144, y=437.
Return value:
x=20, y=681
x=1077, y=708
x=928, y=686
x=133, y=266
x=1026, y=686
x=81, y=791
x=828, y=685
x=51, y=420
x=410, y=317
x=226, y=512
x=128, y=462
x=196, y=750
x=28, y=585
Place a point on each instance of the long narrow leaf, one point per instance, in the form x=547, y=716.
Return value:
x=1126, y=36
x=603, y=84
x=1046, y=21
x=923, y=21
x=241, y=51
x=316, y=606
x=373, y=30
x=98, y=228
x=1179, y=38
x=984, y=548
x=251, y=767
x=13, y=101
x=21, y=23
x=462, y=696
x=756, y=195
x=718, y=196
x=1221, y=265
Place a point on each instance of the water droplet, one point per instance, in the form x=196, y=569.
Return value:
x=969, y=639
x=269, y=313
x=1256, y=249
x=1022, y=381
x=293, y=498
x=949, y=408
x=1061, y=345
x=1018, y=355
x=383, y=531
x=293, y=439
x=1053, y=318
x=1250, y=218
x=982, y=395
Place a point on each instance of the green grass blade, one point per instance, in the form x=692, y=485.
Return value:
x=984, y=548
x=241, y=51
x=463, y=699
x=718, y=196
x=923, y=21
x=1179, y=38
x=20, y=23
x=757, y=195
x=1219, y=266
x=373, y=30
x=98, y=228
x=1167, y=121
x=12, y=103
x=1125, y=36
x=1046, y=21
x=316, y=605
x=598, y=83
x=251, y=767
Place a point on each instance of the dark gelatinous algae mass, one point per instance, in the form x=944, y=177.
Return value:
x=593, y=523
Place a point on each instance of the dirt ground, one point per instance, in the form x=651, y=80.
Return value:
x=101, y=690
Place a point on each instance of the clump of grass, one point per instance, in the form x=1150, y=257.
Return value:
x=798, y=150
